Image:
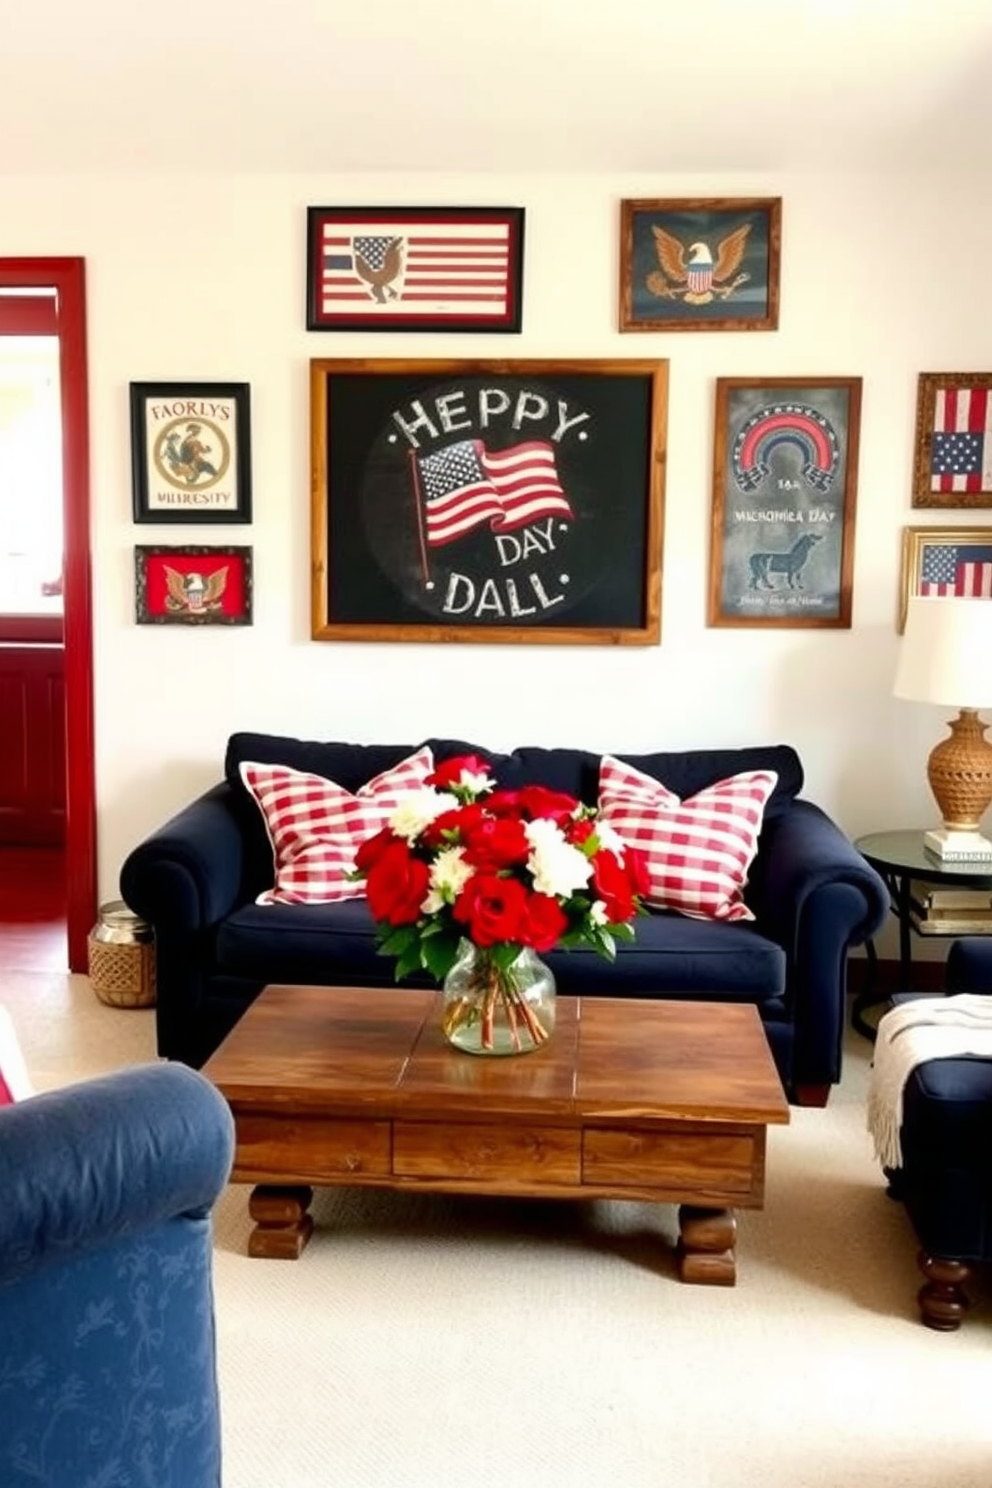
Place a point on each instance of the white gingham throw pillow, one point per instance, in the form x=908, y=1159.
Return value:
x=316, y=826
x=697, y=851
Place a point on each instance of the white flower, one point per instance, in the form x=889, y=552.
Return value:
x=478, y=783
x=449, y=875
x=610, y=840
x=597, y=912
x=557, y=868
x=417, y=810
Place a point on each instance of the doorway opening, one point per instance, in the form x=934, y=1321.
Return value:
x=46, y=636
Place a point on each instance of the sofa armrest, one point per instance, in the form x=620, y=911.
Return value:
x=802, y=851
x=105, y=1160
x=187, y=875
x=813, y=893
x=969, y=964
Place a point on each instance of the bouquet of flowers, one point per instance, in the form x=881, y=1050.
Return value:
x=509, y=872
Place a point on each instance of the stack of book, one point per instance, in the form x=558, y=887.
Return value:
x=935, y=911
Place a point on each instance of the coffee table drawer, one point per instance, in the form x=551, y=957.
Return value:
x=312, y=1151
x=673, y=1160
x=485, y=1154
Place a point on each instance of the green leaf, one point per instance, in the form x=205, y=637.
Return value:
x=399, y=940
x=409, y=962
x=623, y=931
x=439, y=955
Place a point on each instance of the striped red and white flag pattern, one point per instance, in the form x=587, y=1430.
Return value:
x=961, y=440
x=697, y=851
x=316, y=826
x=384, y=268
x=465, y=485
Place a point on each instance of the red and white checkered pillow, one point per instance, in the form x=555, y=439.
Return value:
x=316, y=826
x=15, y=1083
x=697, y=851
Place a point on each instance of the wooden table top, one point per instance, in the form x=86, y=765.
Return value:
x=326, y=1049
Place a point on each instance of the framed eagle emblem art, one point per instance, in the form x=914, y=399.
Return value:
x=700, y=264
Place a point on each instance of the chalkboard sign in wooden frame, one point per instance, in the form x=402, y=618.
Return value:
x=785, y=481
x=492, y=501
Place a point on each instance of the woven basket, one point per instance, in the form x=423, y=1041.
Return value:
x=121, y=956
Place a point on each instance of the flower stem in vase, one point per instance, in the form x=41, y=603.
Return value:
x=491, y=1008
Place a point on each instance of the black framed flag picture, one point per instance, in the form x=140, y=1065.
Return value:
x=414, y=268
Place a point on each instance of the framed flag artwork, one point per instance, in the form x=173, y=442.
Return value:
x=945, y=563
x=952, y=463
x=487, y=501
x=414, y=268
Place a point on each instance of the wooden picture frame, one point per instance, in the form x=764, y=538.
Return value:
x=784, y=495
x=509, y=501
x=700, y=264
x=415, y=268
x=945, y=562
x=193, y=585
x=952, y=449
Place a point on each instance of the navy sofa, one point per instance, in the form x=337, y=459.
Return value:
x=195, y=881
x=107, y=1347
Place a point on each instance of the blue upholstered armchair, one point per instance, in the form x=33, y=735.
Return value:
x=107, y=1350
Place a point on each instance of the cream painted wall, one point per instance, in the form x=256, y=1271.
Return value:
x=202, y=278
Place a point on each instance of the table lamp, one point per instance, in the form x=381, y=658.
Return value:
x=946, y=657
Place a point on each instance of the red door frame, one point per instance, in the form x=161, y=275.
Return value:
x=67, y=277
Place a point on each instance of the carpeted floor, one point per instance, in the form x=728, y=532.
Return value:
x=456, y=1342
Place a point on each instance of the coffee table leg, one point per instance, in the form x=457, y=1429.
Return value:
x=282, y=1224
x=706, y=1246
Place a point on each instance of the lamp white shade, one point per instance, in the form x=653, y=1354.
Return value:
x=946, y=652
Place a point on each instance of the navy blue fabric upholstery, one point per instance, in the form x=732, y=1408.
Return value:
x=195, y=881
x=946, y=1178
x=107, y=1347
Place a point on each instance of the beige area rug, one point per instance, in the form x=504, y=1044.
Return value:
x=456, y=1342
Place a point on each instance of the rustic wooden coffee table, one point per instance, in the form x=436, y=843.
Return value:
x=666, y=1101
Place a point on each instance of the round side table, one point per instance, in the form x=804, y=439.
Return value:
x=901, y=858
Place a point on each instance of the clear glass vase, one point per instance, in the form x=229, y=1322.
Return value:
x=492, y=1010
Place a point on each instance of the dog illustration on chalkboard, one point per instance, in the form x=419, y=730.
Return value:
x=791, y=563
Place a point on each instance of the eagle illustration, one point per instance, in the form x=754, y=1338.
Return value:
x=699, y=280
x=192, y=592
x=378, y=261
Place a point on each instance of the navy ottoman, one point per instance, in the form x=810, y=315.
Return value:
x=946, y=1178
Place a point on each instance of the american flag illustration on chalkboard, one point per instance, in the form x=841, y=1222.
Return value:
x=465, y=485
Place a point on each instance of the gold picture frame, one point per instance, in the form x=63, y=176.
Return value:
x=952, y=449
x=945, y=562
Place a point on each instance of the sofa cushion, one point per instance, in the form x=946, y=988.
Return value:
x=671, y=955
x=697, y=851
x=316, y=826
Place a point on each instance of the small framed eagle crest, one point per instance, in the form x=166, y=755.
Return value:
x=193, y=585
x=700, y=264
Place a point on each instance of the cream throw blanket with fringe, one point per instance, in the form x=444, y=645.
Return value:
x=929, y=1028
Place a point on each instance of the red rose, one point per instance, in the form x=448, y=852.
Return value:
x=492, y=908
x=397, y=885
x=449, y=772
x=458, y=820
x=496, y=842
x=372, y=848
x=537, y=801
x=636, y=864
x=580, y=830
x=613, y=886
x=503, y=803
x=545, y=922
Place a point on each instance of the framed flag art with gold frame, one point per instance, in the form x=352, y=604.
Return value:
x=952, y=455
